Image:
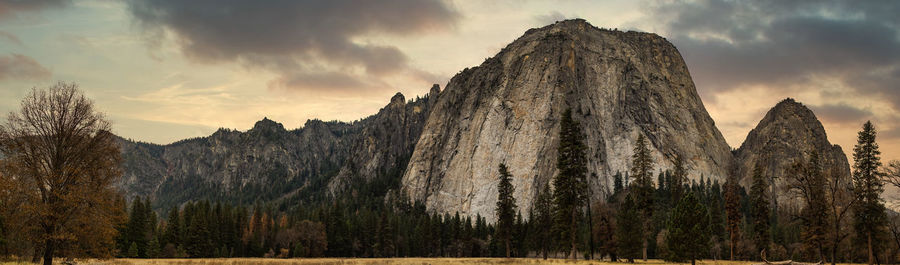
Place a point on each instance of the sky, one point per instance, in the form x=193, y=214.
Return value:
x=164, y=70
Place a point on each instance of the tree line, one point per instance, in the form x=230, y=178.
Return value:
x=59, y=162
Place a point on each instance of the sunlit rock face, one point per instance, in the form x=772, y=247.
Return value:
x=507, y=110
x=788, y=133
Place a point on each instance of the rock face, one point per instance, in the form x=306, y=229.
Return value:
x=507, y=110
x=269, y=162
x=788, y=132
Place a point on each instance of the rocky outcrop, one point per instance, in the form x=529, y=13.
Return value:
x=507, y=110
x=386, y=141
x=269, y=162
x=789, y=132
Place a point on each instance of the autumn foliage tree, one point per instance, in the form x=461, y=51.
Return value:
x=60, y=161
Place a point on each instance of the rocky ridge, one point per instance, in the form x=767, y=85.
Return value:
x=269, y=162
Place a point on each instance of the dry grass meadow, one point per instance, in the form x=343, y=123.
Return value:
x=350, y=261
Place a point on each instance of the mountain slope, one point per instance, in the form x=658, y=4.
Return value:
x=619, y=85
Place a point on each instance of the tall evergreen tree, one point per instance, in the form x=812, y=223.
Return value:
x=543, y=219
x=679, y=178
x=733, y=213
x=642, y=187
x=630, y=230
x=138, y=227
x=506, y=207
x=759, y=209
x=569, y=185
x=688, y=236
x=717, y=230
x=869, y=211
x=618, y=185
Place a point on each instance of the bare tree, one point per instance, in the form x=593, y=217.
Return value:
x=892, y=173
x=60, y=161
x=828, y=202
x=808, y=183
x=840, y=201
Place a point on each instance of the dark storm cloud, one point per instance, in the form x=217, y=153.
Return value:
x=21, y=67
x=841, y=113
x=12, y=8
x=296, y=39
x=781, y=43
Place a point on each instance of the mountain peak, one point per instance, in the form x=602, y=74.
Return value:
x=789, y=131
x=790, y=108
x=435, y=90
x=267, y=124
x=398, y=99
x=789, y=103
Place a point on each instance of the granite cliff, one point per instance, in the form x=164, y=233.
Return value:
x=507, y=110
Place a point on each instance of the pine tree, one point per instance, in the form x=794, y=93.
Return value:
x=153, y=248
x=506, y=207
x=137, y=227
x=544, y=218
x=869, y=211
x=133, y=250
x=618, y=185
x=679, y=178
x=569, y=184
x=630, y=230
x=642, y=187
x=717, y=221
x=688, y=236
x=759, y=203
x=733, y=213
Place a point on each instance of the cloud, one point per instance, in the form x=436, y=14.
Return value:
x=890, y=134
x=329, y=82
x=17, y=66
x=12, y=8
x=785, y=44
x=295, y=39
x=841, y=113
x=9, y=37
x=549, y=18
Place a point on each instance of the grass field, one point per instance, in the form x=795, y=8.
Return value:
x=360, y=261
x=394, y=261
